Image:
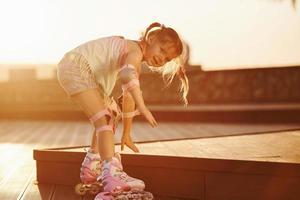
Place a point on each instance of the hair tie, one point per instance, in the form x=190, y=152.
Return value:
x=153, y=25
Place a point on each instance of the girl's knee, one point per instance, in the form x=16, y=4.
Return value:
x=102, y=121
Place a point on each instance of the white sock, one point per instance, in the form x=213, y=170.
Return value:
x=92, y=155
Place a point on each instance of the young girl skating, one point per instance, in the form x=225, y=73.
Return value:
x=88, y=74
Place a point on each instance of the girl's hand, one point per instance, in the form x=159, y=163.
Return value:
x=126, y=140
x=148, y=115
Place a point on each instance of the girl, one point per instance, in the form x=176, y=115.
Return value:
x=88, y=74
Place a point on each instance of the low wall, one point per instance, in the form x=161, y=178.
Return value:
x=24, y=90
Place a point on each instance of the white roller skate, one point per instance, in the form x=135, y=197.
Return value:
x=90, y=170
x=117, y=185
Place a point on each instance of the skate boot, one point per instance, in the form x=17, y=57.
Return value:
x=90, y=170
x=117, y=185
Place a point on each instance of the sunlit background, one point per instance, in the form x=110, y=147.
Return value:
x=225, y=107
x=221, y=34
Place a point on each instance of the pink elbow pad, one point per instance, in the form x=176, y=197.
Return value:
x=130, y=73
x=131, y=85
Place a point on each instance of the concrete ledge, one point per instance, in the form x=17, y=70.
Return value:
x=184, y=177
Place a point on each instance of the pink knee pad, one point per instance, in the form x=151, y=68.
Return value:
x=111, y=123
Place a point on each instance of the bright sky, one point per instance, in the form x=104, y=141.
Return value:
x=221, y=34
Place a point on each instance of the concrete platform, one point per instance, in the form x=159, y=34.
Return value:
x=256, y=166
x=182, y=170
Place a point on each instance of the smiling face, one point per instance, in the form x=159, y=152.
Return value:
x=160, y=49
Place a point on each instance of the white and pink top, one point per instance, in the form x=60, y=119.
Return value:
x=105, y=56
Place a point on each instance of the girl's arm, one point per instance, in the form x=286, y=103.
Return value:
x=128, y=107
x=129, y=79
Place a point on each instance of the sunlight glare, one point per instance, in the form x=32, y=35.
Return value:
x=221, y=34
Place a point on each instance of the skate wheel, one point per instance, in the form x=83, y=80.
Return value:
x=133, y=195
x=95, y=189
x=148, y=196
x=80, y=189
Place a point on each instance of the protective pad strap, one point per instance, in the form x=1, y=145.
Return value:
x=130, y=85
x=126, y=66
x=131, y=114
x=99, y=115
x=104, y=128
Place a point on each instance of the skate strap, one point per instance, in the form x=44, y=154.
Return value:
x=130, y=114
x=99, y=115
x=104, y=128
x=131, y=84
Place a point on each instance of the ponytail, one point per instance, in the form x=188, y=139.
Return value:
x=184, y=88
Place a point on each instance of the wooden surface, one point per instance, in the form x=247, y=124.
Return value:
x=19, y=138
x=281, y=146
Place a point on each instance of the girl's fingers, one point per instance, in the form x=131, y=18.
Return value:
x=153, y=122
x=128, y=142
x=133, y=148
x=149, y=117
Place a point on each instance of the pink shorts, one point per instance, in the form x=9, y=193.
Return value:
x=71, y=77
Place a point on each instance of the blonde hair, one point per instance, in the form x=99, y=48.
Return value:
x=176, y=65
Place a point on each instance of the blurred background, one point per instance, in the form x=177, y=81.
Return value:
x=241, y=52
x=244, y=75
x=222, y=34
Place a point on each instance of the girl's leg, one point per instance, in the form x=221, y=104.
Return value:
x=112, y=177
x=94, y=143
x=92, y=103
